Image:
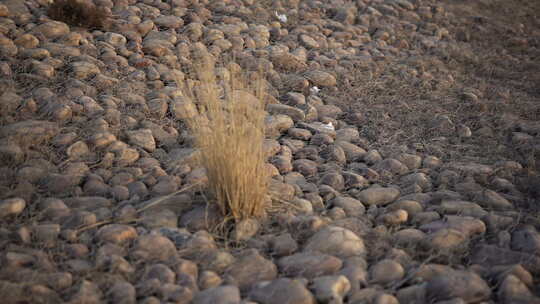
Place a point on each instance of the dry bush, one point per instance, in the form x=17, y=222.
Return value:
x=228, y=129
x=78, y=13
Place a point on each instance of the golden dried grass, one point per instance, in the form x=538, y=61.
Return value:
x=228, y=130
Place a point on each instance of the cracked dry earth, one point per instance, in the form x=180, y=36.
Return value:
x=426, y=191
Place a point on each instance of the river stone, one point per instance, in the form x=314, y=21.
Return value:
x=352, y=207
x=250, y=268
x=409, y=236
x=281, y=291
x=11, y=207
x=467, y=225
x=154, y=247
x=492, y=200
x=512, y=290
x=336, y=241
x=445, y=239
x=386, y=271
x=321, y=78
x=458, y=283
x=226, y=294
x=526, y=239
x=52, y=29
x=88, y=292
x=30, y=132
x=309, y=265
x=331, y=289
x=142, y=138
x=378, y=195
x=116, y=233
x=293, y=112
x=462, y=208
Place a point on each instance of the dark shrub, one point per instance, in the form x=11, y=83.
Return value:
x=78, y=13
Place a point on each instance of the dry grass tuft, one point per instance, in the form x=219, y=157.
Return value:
x=229, y=131
x=78, y=13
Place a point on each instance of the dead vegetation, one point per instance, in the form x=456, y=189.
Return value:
x=228, y=128
x=506, y=39
x=78, y=13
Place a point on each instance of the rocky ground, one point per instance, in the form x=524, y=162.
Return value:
x=424, y=191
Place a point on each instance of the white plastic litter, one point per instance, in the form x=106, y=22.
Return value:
x=281, y=17
x=314, y=90
x=329, y=126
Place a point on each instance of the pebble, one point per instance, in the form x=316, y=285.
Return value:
x=394, y=218
x=309, y=265
x=445, y=239
x=46, y=234
x=391, y=165
x=412, y=207
x=11, y=153
x=321, y=78
x=84, y=69
x=526, y=239
x=122, y=293
x=462, y=208
x=365, y=295
x=215, y=260
x=294, y=113
x=351, y=206
x=467, y=225
x=492, y=200
x=116, y=129
x=512, y=290
x=334, y=180
x=282, y=290
x=336, y=241
x=116, y=233
x=409, y=236
x=245, y=229
x=153, y=247
x=378, y=196
x=425, y=217
x=32, y=131
x=220, y=294
x=251, y=268
x=11, y=207
x=87, y=292
x=142, y=138
x=283, y=245
x=457, y=283
x=52, y=29
x=209, y=279
x=386, y=271
x=331, y=289
x=412, y=293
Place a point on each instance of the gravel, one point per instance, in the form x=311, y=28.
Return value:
x=93, y=134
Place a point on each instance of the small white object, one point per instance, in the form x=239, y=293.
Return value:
x=314, y=90
x=329, y=126
x=281, y=17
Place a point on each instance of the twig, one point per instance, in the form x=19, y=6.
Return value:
x=413, y=273
x=161, y=199
x=124, y=221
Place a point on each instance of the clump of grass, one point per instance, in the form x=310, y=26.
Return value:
x=228, y=129
x=78, y=13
